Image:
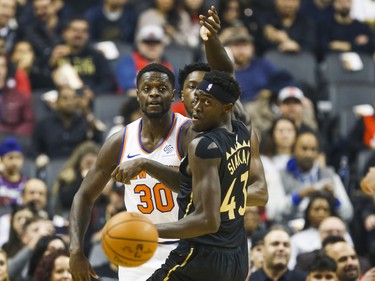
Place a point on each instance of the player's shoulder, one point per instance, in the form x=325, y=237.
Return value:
x=204, y=147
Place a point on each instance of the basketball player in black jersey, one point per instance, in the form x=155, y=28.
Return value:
x=214, y=178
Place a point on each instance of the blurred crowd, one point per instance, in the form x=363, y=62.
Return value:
x=307, y=75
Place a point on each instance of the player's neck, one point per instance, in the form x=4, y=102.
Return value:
x=156, y=128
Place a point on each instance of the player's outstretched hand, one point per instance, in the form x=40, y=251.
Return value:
x=80, y=268
x=210, y=26
x=127, y=171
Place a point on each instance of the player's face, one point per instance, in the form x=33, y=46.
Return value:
x=155, y=94
x=61, y=271
x=188, y=89
x=208, y=112
x=322, y=276
x=276, y=250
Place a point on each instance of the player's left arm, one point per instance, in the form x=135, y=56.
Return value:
x=257, y=193
x=206, y=195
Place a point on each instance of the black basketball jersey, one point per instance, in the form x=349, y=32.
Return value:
x=234, y=172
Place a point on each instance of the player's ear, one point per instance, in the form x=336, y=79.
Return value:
x=174, y=95
x=227, y=107
x=136, y=91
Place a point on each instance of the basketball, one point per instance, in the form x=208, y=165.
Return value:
x=129, y=239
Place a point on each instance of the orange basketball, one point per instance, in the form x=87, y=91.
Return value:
x=129, y=239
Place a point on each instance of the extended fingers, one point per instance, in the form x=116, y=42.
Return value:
x=213, y=13
x=209, y=23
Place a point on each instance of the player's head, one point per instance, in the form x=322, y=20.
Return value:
x=188, y=79
x=323, y=268
x=214, y=100
x=155, y=90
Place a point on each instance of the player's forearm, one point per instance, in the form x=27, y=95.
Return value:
x=257, y=194
x=193, y=225
x=216, y=55
x=168, y=176
x=80, y=215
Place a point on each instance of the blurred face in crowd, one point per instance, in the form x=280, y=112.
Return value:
x=115, y=5
x=331, y=226
x=287, y=8
x=54, y=245
x=164, y=5
x=22, y=48
x=44, y=9
x=322, y=276
x=342, y=7
x=3, y=266
x=77, y=34
x=86, y=163
x=188, y=89
x=194, y=5
x=243, y=52
x=346, y=260
x=319, y=210
x=67, y=101
x=35, y=191
x=256, y=257
x=251, y=219
x=7, y=11
x=231, y=11
x=12, y=162
x=151, y=49
x=276, y=250
x=306, y=151
x=19, y=220
x=3, y=71
x=284, y=134
x=291, y=108
x=61, y=270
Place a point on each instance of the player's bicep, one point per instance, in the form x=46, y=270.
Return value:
x=204, y=163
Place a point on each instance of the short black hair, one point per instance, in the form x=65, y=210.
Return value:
x=157, y=67
x=225, y=80
x=322, y=263
x=189, y=68
x=73, y=19
x=332, y=239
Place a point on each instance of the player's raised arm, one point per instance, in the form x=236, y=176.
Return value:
x=257, y=192
x=83, y=202
x=216, y=54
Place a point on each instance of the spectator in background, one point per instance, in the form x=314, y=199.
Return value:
x=70, y=124
x=317, y=10
x=12, y=180
x=367, y=217
x=8, y=27
x=194, y=8
x=320, y=207
x=90, y=64
x=16, y=110
x=286, y=30
x=276, y=149
x=342, y=33
x=4, y=276
x=166, y=14
x=53, y=267
x=303, y=177
x=45, y=246
x=149, y=49
x=44, y=31
x=29, y=69
x=276, y=252
x=72, y=175
x=113, y=20
x=252, y=73
x=230, y=13
x=364, y=11
x=322, y=268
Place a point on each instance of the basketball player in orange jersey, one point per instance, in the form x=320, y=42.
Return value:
x=155, y=134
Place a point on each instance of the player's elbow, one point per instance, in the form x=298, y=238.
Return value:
x=212, y=223
x=257, y=195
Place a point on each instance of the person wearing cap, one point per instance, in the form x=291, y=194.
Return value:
x=293, y=104
x=150, y=45
x=252, y=73
x=11, y=179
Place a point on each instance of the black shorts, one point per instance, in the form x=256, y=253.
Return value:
x=197, y=262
